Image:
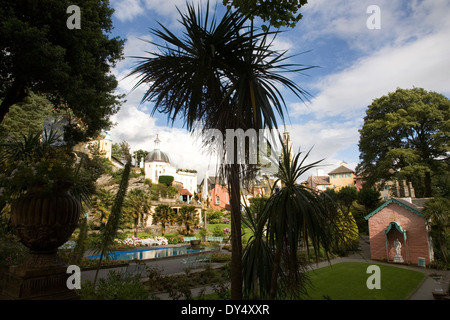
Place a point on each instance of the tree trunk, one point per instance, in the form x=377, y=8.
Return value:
x=136, y=222
x=236, y=236
x=427, y=185
x=276, y=268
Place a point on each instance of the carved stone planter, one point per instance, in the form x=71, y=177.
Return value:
x=43, y=222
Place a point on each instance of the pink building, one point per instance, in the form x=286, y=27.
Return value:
x=220, y=199
x=398, y=232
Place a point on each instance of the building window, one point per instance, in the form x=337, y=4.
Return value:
x=217, y=200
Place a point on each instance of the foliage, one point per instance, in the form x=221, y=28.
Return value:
x=278, y=13
x=162, y=190
x=117, y=286
x=120, y=150
x=437, y=212
x=165, y=215
x=139, y=156
x=369, y=198
x=80, y=244
x=257, y=204
x=224, y=74
x=405, y=136
x=25, y=117
x=293, y=215
x=347, y=237
x=12, y=252
x=71, y=67
x=108, y=233
x=100, y=206
x=137, y=207
x=345, y=197
x=214, y=216
x=165, y=180
x=187, y=216
x=42, y=161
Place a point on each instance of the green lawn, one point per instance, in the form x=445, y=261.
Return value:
x=347, y=281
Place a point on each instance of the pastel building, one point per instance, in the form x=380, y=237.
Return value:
x=157, y=163
x=342, y=176
x=399, y=224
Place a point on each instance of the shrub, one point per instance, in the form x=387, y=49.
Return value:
x=116, y=286
x=166, y=180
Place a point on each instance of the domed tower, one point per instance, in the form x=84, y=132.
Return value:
x=157, y=155
x=157, y=163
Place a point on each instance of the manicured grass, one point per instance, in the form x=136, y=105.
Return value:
x=247, y=233
x=347, y=281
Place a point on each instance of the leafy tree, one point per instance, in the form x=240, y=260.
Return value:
x=347, y=236
x=437, y=211
x=165, y=215
x=369, y=198
x=405, y=136
x=257, y=205
x=225, y=75
x=26, y=116
x=279, y=13
x=139, y=156
x=137, y=207
x=187, y=216
x=120, y=150
x=345, y=197
x=38, y=53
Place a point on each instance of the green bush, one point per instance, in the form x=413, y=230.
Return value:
x=166, y=180
x=12, y=253
x=214, y=216
x=116, y=286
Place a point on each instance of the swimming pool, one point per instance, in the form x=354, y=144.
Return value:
x=152, y=253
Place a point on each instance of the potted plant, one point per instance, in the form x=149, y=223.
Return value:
x=39, y=174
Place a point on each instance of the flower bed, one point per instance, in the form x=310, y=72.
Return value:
x=133, y=242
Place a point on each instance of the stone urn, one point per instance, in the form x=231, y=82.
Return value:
x=195, y=244
x=43, y=222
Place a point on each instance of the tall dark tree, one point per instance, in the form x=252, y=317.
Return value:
x=109, y=231
x=39, y=53
x=226, y=76
x=405, y=136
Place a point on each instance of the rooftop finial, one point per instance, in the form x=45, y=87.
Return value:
x=157, y=141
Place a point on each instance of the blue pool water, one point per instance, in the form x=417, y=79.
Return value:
x=152, y=253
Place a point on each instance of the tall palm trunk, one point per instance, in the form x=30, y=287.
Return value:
x=276, y=270
x=236, y=234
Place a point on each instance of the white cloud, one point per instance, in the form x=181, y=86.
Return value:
x=423, y=63
x=127, y=10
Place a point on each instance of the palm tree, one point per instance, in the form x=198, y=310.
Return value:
x=137, y=206
x=100, y=205
x=294, y=216
x=224, y=75
x=165, y=215
x=187, y=216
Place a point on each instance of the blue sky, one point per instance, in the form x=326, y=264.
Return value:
x=355, y=65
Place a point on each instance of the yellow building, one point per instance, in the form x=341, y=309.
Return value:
x=342, y=176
